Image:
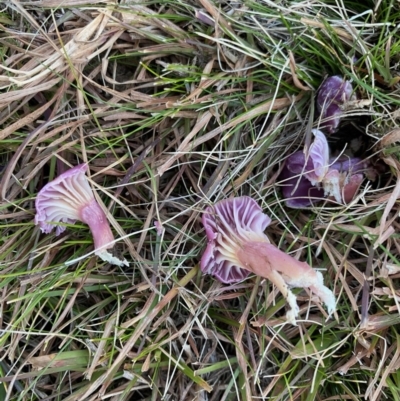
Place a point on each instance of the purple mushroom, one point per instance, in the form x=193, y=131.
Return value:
x=332, y=97
x=69, y=198
x=237, y=246
x=315, y=176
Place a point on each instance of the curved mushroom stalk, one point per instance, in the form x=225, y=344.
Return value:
x=69, y=198
x=237, y=246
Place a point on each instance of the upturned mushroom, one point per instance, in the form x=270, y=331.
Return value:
x=237, y=246
x=68, y=199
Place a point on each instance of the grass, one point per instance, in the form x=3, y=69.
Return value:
x=176, y=105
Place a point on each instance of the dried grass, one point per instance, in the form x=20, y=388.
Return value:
x=174, y=106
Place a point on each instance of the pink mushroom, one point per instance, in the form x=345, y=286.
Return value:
x=69, y=198
x=237, y=246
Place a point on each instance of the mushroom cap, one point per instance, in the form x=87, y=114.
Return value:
x=62, y=200
x=334, y=90
x=229, y=224
x=332, y=94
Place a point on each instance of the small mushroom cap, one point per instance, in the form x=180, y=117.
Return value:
x=228, y=224
x=332, y=95
x=61, y=200
x=334, y=90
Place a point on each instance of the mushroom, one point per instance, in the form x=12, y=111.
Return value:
x=237, y=246
x=332, y=97
x=69, y=198
x=315, y=176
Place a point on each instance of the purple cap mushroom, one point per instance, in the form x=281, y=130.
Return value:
x=237, y=246
x=332, y=97
x=69, y=198
x=315, y=176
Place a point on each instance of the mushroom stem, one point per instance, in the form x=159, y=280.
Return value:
x=93, y=215
x=265, y=260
